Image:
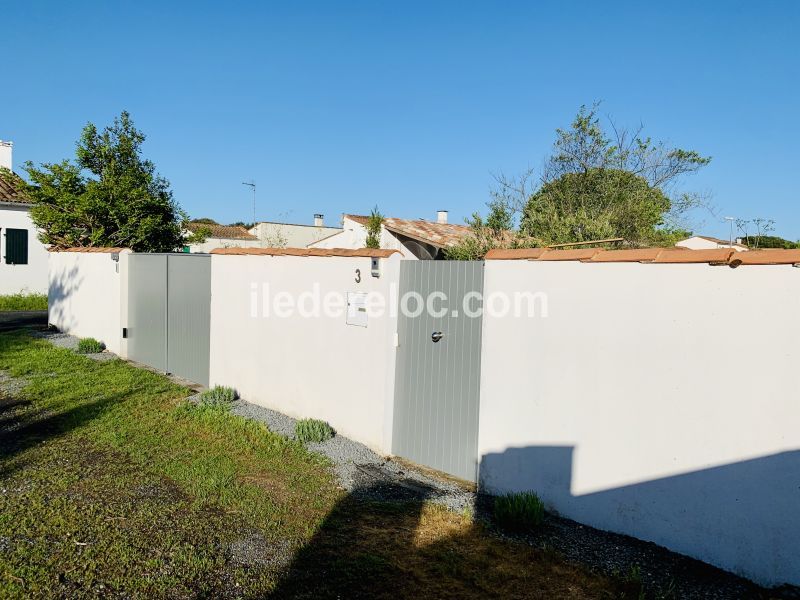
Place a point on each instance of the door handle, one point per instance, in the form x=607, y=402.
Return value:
x=436, y=336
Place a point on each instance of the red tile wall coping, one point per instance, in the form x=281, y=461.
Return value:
x=90, y=249
x=345, y=252
x=718, y=256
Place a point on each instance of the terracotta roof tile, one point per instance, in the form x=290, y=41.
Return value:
x=234, y=232
x=632, y=254
x=713, y=256
x=515, y=254
x=90, y=249
x=360, y=219
x=766, y=257
x=577, y=254
x=10, y=184
x=717, y=256
x=345, y=252
x=441, y=235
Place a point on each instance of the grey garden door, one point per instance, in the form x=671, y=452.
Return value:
x=437, y=379
x=169, y=313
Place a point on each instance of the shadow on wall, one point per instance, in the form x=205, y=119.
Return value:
x=743, y=517
x=60, y=290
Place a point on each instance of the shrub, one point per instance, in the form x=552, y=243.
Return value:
x=520, y=511
x=22, y=301
x=218, y=397
x=313, y=430
x=89, y=346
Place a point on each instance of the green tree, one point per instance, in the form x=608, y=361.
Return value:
x=596, y=187
x=374, y=223
x=109, y=196
x=597, y=204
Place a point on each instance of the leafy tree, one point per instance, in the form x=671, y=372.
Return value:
x=110, y=195
x=594, y=185
x=374, y=223
x=597, y=204
x=205, y=221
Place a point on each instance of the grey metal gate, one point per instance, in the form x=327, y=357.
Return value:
x=437, y=377
x=169, y=313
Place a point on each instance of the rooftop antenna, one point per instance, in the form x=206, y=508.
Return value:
x=731, y=220
x=252, y=184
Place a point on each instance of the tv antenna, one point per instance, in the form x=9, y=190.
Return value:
x=252, y=184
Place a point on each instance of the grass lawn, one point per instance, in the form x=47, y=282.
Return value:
x=23, y=302
x=112, y=485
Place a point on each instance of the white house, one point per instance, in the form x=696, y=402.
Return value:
x=221, y=236
x=23, y=258
x=416, y=239
x=704, y=242
x=292, y=235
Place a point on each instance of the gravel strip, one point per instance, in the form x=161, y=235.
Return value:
x=363, y=472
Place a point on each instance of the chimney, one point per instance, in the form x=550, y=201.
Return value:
x=319, y=220
x=5, y=155
x=441, y=217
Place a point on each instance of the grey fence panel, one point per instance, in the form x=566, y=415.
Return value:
x=189, y=316
x=147, y=309
x=437, y=384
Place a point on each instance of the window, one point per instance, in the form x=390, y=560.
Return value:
x=16, y=246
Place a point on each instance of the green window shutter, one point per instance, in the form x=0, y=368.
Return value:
x=16, y=246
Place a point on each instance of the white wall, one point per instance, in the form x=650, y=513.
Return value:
x=213, y=243
x=30, y=278
x=701, y=243
x=6, y=153
x=88, y=297
x=354, y=236
x=306, y=367
x=659, y=401
x=290, y=235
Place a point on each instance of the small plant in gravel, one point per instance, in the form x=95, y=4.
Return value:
x=89, y=346
x=519, y=511
x=313, y=430
x=218, y=397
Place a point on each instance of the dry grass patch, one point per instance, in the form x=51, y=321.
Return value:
x=383, y=550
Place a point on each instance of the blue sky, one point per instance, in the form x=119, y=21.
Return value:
x=336, y=107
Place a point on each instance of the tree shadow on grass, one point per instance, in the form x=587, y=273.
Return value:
x=23, y=427
x=380, y=543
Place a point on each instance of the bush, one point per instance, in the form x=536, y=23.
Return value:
x=313, y=430
x=90, y=346
x=520, y=511
x=23, y=302
x=218, y=397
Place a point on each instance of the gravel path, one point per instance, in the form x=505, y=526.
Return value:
x=363, y=472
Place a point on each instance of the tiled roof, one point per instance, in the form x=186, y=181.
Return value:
x=349, y=252
x=717, y=256
x=9, y=188
x=360, y=219
x=235, y=232
x=441, y=235
x=91, y=249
